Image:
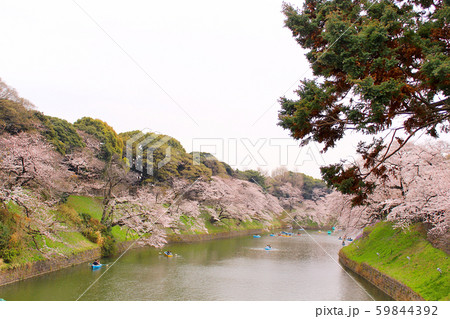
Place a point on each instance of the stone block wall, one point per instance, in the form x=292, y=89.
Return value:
x=387, y=284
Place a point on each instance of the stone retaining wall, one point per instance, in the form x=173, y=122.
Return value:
x=387, y=284
x=45, y=266
x=41, y=267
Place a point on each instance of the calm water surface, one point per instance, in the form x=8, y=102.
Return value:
x=230, y=269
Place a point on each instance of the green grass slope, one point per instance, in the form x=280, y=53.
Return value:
x=93, y=207
x=81, y=236
x=406, y=256
x=30, y=248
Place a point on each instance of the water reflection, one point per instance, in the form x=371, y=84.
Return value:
x=231, y=269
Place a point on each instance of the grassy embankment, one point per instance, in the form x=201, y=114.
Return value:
x=93, y=207
x=394, y=246
x=75, y=242
x=69, y=242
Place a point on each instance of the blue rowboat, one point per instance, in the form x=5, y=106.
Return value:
x=168, y=254
x=272, y=235
x=267, y=248
x=96, y=266
x=256, y=236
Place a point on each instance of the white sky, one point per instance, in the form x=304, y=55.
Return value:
x=225, y=63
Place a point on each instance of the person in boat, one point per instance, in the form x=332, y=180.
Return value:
x=168, y=253
x=268, y=246
x=96, y=263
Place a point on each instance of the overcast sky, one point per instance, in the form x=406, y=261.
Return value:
x=205, y=72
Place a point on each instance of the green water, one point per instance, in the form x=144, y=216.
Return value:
x=230, y=269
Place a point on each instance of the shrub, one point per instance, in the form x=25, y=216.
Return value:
x=7, y=250
x=68, y=214
x=5, y=236
x=92, y=229
x=64, y=198
x=108, y=246
x=91, y=235
x=9, y=254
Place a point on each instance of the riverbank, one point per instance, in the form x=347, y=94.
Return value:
x=402, y=263
x=83, y=244
x=233, y=269
x=41, y=267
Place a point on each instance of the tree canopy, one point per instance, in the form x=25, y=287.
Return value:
x=217, y=168
x=60, y=133
x=252, y=176
x=159, y=158
x=14, y=117
x=378, y=66
x=111, y=142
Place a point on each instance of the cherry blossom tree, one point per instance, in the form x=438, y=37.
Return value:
x=28, y=160
x=419, y=187
x=233, y=198
x=29, y=163
x=143, y=217
x=414, y=188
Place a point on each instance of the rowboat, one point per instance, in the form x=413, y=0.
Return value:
x=256, y=236
x=267, y=248
x=286, y=234
x=96, y=266
x=168, y=254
